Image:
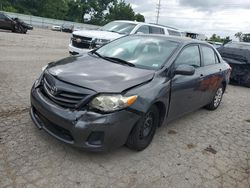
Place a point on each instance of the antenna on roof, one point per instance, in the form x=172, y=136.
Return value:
x=158, y=7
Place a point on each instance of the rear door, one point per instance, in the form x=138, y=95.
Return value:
x=5, y=22
x=213, y=74
x=186, y=93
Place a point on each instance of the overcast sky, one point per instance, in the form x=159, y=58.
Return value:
x=223, y=17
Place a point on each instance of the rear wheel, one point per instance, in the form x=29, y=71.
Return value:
x=143, y=132
x=215, y=103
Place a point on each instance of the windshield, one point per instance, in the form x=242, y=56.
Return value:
x=119, y=27
x=143, y=52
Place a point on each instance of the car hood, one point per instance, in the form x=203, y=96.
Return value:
x=98, y=74
x=98, y=34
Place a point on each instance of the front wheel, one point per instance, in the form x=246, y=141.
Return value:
x=18, y=28
x=143, y=132
x=215, y=103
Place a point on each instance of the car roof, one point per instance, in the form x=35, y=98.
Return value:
x=183, y=40
x=241, y=43
x=149, y=24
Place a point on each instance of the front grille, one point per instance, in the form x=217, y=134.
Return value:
x=57, y=92
x=81, y=42
x=82, y=38
x=80, y=45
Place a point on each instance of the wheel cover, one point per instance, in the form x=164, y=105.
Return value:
x=147, y=125
x=218, y=97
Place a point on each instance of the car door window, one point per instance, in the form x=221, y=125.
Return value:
x=156, y=30
x=174, y=33
x=208, y=55
x=143, y=29
x=216, y=58
x=2, y=17
x=189, y=56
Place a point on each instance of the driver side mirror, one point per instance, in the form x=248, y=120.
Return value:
x=187, y=70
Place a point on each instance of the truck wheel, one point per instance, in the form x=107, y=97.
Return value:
x=143, y=132
x=215, y=103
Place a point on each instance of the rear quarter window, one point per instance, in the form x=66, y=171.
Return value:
x=173, y=33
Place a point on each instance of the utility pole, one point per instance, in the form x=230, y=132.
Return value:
x=158, y=7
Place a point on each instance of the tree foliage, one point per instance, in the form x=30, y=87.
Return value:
x=239, y=35
x=217, y=38
x=99, y=11
x=120, y=11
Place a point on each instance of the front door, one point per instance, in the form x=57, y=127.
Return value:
x=186, y=92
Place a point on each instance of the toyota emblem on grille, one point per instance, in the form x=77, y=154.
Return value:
x=78, y=40
x=53, y=90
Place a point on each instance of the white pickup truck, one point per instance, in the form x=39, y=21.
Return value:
x=84, y=40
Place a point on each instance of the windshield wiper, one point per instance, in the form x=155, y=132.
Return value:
x=118, y=60
x=96, y=53
x=121, y=33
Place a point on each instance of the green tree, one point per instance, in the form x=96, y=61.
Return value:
x=120, y=11
x=239, y=36
x=217, y=38
x=101, y=11
x=139, y=17
x=96, y=10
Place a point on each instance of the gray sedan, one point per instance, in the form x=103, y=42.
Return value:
x=120, y=93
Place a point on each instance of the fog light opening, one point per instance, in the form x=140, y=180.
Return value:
x=96, y=138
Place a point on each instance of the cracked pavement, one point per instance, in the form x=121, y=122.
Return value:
x=201, y=149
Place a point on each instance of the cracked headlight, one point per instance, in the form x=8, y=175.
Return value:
x=111, y=102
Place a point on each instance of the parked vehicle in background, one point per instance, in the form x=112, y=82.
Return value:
x=23, y=24
x=215, y=44
x=237, y=54
x=193, y=35
x=84, y=40
x=121, y=92
x=67, y=28
x=13, y=24
x=56, y=28
x=78, y=29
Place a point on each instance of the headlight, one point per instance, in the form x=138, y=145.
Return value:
x=110, y=103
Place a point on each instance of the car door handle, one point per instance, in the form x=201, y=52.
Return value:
x=201, y=75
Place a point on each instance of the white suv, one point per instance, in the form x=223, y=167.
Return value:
x=87, y=39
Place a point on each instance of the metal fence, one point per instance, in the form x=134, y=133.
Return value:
x=47, y=22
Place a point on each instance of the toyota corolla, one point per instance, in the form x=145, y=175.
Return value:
x=120, y=93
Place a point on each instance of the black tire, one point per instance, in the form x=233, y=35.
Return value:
x=215, y=103
x=25, y=30
x=144, y=131
x=18, y=28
